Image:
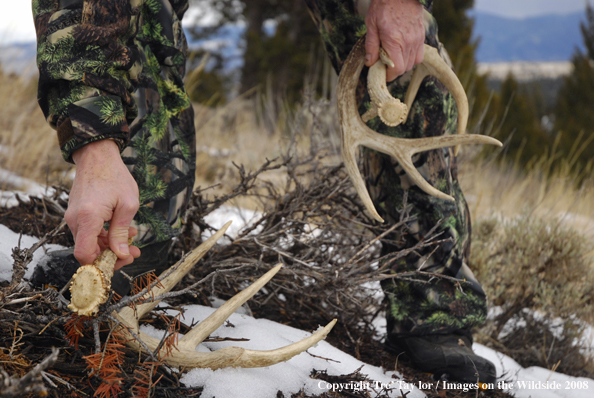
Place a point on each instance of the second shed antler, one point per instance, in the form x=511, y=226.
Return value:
x=186, y=355
x=393, y=112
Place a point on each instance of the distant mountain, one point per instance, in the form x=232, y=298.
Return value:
x=228, y=42
x=537, y=39
x=545, y=38
x=19, y=58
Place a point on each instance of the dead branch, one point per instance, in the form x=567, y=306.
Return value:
x=22, y=257
x=30, y=383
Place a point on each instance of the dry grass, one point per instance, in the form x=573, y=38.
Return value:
x=498, y=189
x=539, y=280
x=29, y=147
x=247, y=131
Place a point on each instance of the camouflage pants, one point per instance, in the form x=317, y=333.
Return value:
x=429, y=305
x=164, y=169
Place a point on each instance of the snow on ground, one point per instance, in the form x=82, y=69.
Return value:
x=26, y=187
x=526, y=71
x=9, y=240
x=294, y=375
x=535, y=382
x=21, y=186
x=240, y=219
x=289, y=377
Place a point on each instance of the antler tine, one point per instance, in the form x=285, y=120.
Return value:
x=187, y=356
x=180, y=270
x=356, y=133
x=229, y=356
x=216, y=319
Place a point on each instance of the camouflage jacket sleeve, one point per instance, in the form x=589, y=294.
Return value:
x=89, y=65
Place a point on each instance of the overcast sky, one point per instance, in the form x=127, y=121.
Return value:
x=529, y=8
x=16, y=21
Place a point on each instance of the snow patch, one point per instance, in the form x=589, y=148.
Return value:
x=10, y=240
x=288, y=377
x=292, y=376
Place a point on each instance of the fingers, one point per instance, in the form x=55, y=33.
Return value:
x=412, y=56
x=400, y=62
x=90, y=238
x=372, y=43
x=119, y=227
x=405, y=56
x=398, y=26
x=420, y=55
x=103, y=190
x=89, y=243
x=134, y=254
x=85, y=229
x=134, y=251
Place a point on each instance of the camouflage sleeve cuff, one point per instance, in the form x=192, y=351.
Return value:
x=93, y=119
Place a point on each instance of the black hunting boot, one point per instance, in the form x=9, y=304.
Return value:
x=56, y=268
x=445, y=355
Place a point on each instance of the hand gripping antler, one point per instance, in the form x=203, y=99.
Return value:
x=186, y=354
x=394, y=112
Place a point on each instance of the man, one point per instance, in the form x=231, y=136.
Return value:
x=429, y=321
x=110, y=82
x=111, y=85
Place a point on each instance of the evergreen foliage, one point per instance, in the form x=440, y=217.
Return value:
x=512, y=114
x=574, y=113
x=455, y=32
x=282, y=59
x=206, y=88
x=278, y=61
x=520, y=128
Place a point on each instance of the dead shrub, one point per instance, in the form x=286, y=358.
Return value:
x=316, y=226
x=539, y=276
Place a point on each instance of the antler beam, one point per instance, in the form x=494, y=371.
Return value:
x=393, y=112
x=186, y=354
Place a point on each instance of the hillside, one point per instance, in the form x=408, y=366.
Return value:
x=546, y=38
x=539, y=39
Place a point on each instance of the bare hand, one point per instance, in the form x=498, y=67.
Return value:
x=398, y=26
x=103, y=190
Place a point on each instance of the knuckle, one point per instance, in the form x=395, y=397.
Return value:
x=130, y=204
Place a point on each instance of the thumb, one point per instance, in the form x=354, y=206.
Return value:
x=119, y=228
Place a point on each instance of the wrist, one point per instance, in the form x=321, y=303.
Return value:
x=98, y=150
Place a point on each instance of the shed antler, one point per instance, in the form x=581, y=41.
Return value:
x=186, y=354
x=393, y=112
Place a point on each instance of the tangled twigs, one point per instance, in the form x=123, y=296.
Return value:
x=329, y=246
x=22, y=257
x=32, y=382
x=247, y=182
